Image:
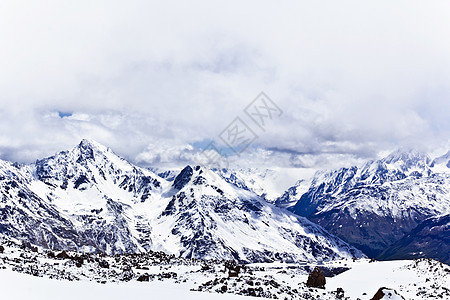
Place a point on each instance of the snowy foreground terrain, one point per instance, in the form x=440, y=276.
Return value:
x=28, y=272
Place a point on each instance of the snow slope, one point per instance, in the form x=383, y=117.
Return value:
x=22, y=286
x=420, y=279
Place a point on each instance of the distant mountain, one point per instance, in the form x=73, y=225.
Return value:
x=254, y=180
x=431, y=238
x=168, y=174
x=442, y=163
x=290, y=197
x=373, y=206
x=269, y=184
x=89, y=199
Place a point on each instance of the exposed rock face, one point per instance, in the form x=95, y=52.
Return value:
x=316, y=279
x=431, y=238
x=183, y=178
x=63, y=255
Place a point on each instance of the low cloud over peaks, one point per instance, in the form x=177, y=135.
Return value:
x=151, y=80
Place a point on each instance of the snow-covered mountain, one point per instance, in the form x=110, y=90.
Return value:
x=290, y=197
x=79, y=199
x=441, y=164
x=375, y=205
x=89, y=199
x=208, y=213
x=254, y=180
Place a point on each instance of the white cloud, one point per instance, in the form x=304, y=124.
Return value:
x=166, y=154
x=353, y=78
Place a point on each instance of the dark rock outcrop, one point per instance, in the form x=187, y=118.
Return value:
x=183, y=178
x=316, y=279
x=63, y=255
x=430, y=239
x=143, y=277
x=383, y=292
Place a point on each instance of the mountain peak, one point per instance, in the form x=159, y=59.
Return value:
x=88, y=149
x=183, y=178
x=442, y=160
x=406, y=155
x=91, y=144
x=445, y=156
x=407, y=160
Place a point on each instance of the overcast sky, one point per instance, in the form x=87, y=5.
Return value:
x=157, y=80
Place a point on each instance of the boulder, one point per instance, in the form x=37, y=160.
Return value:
x=63, y=255
x=386, y=293
x=316, y=279
x=143, y=277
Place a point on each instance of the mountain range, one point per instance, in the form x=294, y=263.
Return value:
x=89, y=199
x=383, y=207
